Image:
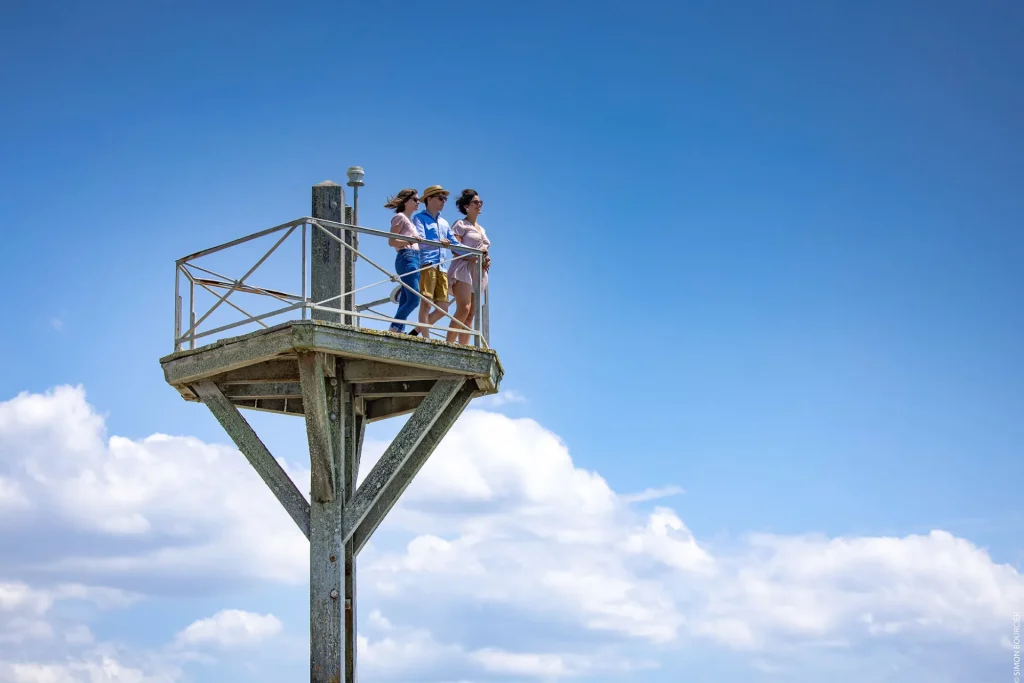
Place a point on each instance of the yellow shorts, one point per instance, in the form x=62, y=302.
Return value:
x=434, y=284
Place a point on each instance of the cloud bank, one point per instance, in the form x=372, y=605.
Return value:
x=504, y=558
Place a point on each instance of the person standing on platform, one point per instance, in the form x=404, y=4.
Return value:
x=407, y=260
x=434, y=279
x=463, y=274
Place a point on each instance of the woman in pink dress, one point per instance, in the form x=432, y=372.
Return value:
x=463, y=272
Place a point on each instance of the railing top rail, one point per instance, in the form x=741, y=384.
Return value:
x=326, y=223
x=220, y=247
x=390, y=235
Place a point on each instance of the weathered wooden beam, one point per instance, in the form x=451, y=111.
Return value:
x=358, y=371
x=326, y=255
x=285, y=406
x=351, y=449
x=383, y=408
x=321, y=452
x=383, y=499
x=424, y=360
x=263, y=390
x=359, y=344
x=256, y=453
x=225, y=355
x=391, y=465
x=327, y=445
x=372, y=390
x=271, y=371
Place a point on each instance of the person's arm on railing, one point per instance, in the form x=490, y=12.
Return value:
x=453, y=238
x=396, y=227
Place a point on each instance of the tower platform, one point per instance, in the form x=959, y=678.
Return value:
x=335, y=371
x=390, y=374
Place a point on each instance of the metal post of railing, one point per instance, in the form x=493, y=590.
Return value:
x=478, y=300
x=304, y=302
x=355, y=181
x=177, y=306
x=487, y=314
x=192, y=313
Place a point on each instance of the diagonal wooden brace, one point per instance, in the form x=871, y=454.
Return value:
x=256, y=453
x=393, y=473
x=321, y=451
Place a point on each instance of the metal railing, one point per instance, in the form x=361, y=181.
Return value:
x=211, y=281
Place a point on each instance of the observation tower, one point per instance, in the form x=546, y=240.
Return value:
x=322, y=355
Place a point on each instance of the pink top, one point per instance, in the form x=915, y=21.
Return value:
x=472, y=236
x=403, y=226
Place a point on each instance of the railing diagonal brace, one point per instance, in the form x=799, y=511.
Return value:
x=238, y=284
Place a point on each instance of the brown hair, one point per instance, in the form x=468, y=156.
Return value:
x=398, y=201
x=463, y=201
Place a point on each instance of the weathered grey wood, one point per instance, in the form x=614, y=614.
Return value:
x=351, y=448
x=331, y=560
x=424, y=359
x=360, y=434
x=397, y=484
x=285, y=406
x=189, y=366
x=263, y=390
x=369, y=345
x=321, y=452
x=372, y=390
x=360, y=371
x=326, y=255
x=326, y=563
x=328, y=364
x=392, y=462
x=269, y=372
x=383, y=408
x=256, y=453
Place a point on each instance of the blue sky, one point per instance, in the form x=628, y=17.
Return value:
x=765, y=253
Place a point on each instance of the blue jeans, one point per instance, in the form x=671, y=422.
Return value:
x=406, y=261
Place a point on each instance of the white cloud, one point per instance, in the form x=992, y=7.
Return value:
x=501, y=526
x=56, y=323
x=503, y=397
x=519, y=664
x=22, y=613
x=24, y=609
x=405, y=651
x=231, y=628
x=857, y=588
x=100, y=668
x=11, y=496
x=536, y=536
x=652, y=494
x=193, y=510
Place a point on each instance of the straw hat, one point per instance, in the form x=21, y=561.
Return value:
x=431, y=191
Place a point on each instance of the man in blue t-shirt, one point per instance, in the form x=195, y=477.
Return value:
x=433, y=279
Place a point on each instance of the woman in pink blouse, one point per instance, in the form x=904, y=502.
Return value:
x=463, y=272
x=407, y=260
